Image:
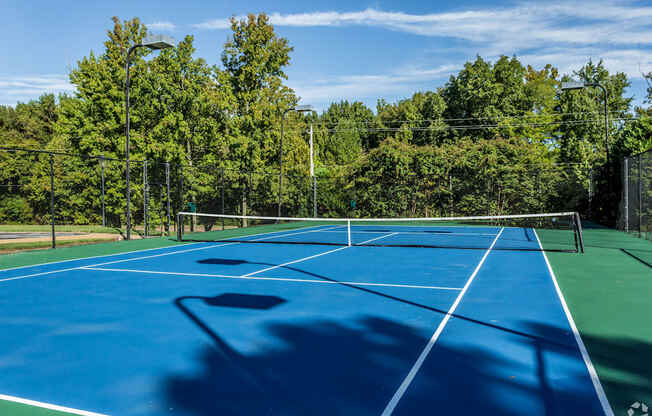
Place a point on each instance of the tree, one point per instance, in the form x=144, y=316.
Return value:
x=416, y=120
x=581, y=133
x=484, y=94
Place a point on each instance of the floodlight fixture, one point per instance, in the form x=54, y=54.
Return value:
x=574, y=85
x=158, y=42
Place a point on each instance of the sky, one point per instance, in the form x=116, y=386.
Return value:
x=343, y=50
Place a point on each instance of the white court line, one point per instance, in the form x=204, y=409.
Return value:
x=109, y=262
x=149, y=257
x=49, y=406
x=98, y=256
x=280, y=279
x=204, y=248
x=606, y=407
x=353, y=231
x=422, y=357
x=313, y=256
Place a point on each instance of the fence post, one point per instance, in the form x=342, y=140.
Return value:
x=590, y=191
x=103, y=206
x=222, y=184
x=314, y=196
x=450, y=188
x=54, y=237
x=145, y=222
x=640, y=197
x=167, y=197
x=626, y=192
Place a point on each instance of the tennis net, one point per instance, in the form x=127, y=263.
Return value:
x=529, y=232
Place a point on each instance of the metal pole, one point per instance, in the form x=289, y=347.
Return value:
x=280, y=165
x=103, y=206
x=314, y=197
x=127, y=142
x=54, y=237
x=590, y=191
x=640, y=197
x=626, y=192
x=312, y=175
x=145, y=222
x=222, y=181
x=180, y=224
x=167, y=185
x=312, y=165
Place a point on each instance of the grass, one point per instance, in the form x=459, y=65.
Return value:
x=26, y=258
x=34, y=245
x=609, y=293
x=12, y=228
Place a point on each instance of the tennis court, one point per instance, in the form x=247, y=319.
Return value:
x=383, y=318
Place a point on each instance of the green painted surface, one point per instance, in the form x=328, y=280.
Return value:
x=609, y=294
x=76, y=252
x=18, y=409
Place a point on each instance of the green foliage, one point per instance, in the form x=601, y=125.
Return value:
x=585, y=142
x=482, y=93
x=14, y=208
x=635, y=137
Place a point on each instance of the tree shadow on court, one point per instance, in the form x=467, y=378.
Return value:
x=624, y=365
x=325, y=367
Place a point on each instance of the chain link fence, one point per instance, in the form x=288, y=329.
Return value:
x=58, y=195
x=636, y=205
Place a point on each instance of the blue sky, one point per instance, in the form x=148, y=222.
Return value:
x=342, y=49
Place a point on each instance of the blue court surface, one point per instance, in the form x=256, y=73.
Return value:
x=299, y=329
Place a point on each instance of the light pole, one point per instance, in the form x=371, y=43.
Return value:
x=152, y=42
x=298, y=109
x=580, y=85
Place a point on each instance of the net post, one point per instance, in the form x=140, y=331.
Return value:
x=348, y=232
x=578, y=231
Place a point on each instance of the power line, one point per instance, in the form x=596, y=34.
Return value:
x=479, y=118
x=467, y=127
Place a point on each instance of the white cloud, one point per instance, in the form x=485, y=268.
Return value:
x=216, y=24
x=516, y=27
x=161, y=26
x=25, y=88
x=368, y=88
